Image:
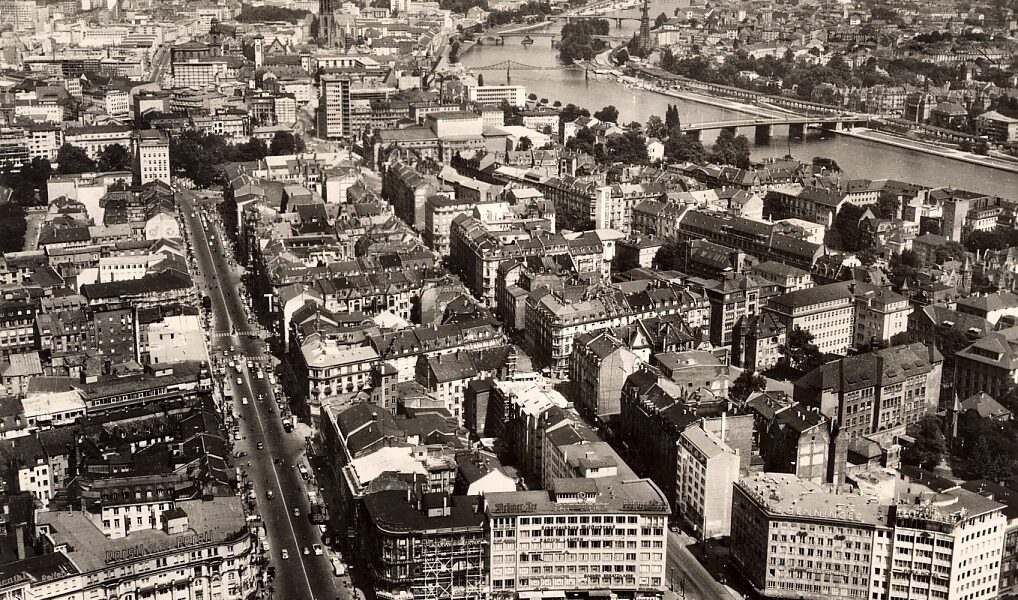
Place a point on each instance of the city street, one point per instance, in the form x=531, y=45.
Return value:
x=285, y=515
x=687, y=574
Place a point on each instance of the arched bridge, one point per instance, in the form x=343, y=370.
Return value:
x=796, y=125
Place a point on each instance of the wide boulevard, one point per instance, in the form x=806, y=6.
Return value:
x=271, y=467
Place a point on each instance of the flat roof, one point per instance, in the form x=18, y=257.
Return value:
x=209, y=522
x=784, y=496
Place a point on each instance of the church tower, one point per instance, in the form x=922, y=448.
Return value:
x=215, y=39
x=645, y=29
x=326, y=24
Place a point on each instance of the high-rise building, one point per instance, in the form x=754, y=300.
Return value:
x=796, y=539
x=20, y=14
x=152, y=150
x=606, y=534
x=334, y=107
x=793, y=539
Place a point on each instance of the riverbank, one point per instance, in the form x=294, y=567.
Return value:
x=917, y=146
x=859, y=133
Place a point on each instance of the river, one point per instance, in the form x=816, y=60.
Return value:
x=858, y=158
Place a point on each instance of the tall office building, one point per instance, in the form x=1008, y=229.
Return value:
x=152, y=156
x=796, y=539
x=334, y=107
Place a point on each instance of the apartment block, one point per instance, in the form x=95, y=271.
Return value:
x=881, y=390
x=708, y=468
x=587, y=534
x=826, y=311
x=795, y=539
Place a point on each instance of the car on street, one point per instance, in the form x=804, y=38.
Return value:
x=239, y=381
x=318, y=549
x=285, y=554
x=261, y=445
x=296, y=512
x=306, y=551
x=244, y=401
x=236, y=435
x=241, y=454
x=250, y=364
x=261, y=374
x=269, y=494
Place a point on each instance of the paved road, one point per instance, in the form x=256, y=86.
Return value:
x=160, y=64
x=300, y=577
x=685, y=572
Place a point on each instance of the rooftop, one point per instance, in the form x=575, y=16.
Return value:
x=221, y=518
x=611, y=494
x=785, y=496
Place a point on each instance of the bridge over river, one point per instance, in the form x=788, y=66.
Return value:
x=763, y=127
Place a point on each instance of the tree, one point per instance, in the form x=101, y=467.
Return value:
x=887, y=206
x=264, y=14
x=730, y=149
x=929, y=446
x=950, y=251
x=685, y=148
x=668, y=257
x=981, y=147
x=622, y=57
x=532, y=97
x=585, y=141
x=114, y=157
x=608, y=114
x=556, y=104
x=524, y=144
x=454, y=51
x=252, y=150
x=13, y=226
x=660, y=20
x=672, y=121
x=196, y=156
x=745, y=384
x=283, y=142
x=800, y=352
x=828, y=164
x=655, y=128
x=28, y=185
x=965, y=145
x=571, y=112
x=629, y=148
x=73, y=159
x=480, y=79
x=845, y=234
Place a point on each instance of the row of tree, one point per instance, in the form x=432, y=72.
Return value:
x=198, y=156
x=522, y=12
x=266, y=13
x=578, y=41
x=804, y=77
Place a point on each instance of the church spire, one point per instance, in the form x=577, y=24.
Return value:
x=645, y=29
